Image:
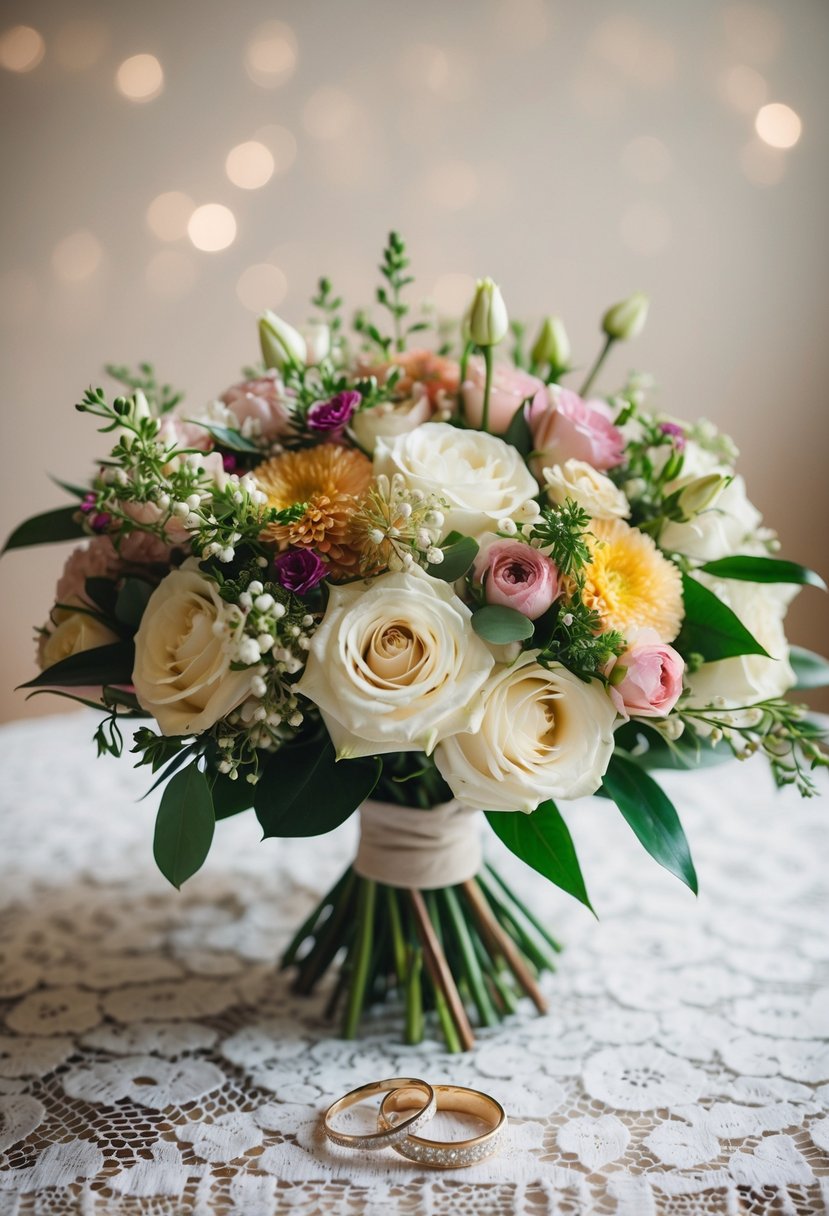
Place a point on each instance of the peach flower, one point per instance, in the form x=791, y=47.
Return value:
x=510, y=386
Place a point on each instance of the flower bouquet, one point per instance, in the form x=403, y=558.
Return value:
x=394, y=574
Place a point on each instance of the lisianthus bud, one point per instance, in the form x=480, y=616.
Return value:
x=281, y=343
x=626, y=319
x=552, y=344
x=700, y=494
x=488, y=320
x=318, y=342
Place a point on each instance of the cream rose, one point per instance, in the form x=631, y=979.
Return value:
x=76, y=632
x=482, y=478
x=728, y=526
x=544, y=734
x=588, y=487
x=182, y=672
x=395, y=665
x=390, y=419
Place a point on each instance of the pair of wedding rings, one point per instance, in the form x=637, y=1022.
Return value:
x=417, y=1102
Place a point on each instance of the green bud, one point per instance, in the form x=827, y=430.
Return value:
x=487, y=322
x=281, y=343
x=700, y=494
x=552, y=345
x=626, y=319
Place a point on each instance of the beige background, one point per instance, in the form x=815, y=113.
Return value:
x=574, y=151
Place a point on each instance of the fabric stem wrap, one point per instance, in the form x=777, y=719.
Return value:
x=418, y=849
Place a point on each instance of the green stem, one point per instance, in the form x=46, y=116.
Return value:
x=362, y=956
x=487, y=352
x=466, y=352
x=398, y=940
x=531, y=917
x=480, y=996
x=522, y=934
x=305, y=928
x=414, y=996
x=594, y=371
x=331, y=938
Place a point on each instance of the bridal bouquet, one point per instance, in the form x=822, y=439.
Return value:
x=422, y=578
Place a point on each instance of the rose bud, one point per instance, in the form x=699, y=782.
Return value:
x=517, y=576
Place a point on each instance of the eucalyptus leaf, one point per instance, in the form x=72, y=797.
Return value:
x=651, y=814
x=710, y=628
x=811, y=669
x=763, y=570
x=184, y=826
x=457, y=559
x=305, y=791
x=46, y=529
x=498, y=624
x=110, y=664
x=543, y=841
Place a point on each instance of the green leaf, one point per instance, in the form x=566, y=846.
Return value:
x=457, y=559
x=811, y=669
x=231, y=797
x=45, y=529
x=495, y=623
x=543, y=841
x=651, y=814
x=103, y=593
x=710, y=628
x=132, y=600
x=226, y=437
x=305, y=790
x=764, y=570
x=654, y=752
x=75, y=491
x=518, y=432
x=103, y=665
x=184, y=826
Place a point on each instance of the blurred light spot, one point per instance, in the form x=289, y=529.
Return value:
x=249, y=165
x=636, y=51
x=743, y=88
x=140, y=78
x=762, y=165
x=168, y=215
x=21, y=49
x=646, y=229
x=453, y=185
x=261, y=286
x=430, y=69
x=522, y=23
x=282, y=144
x=328, y=113
x=170, y=273
x=19, y=296
x=452, y=292
x=271, y=54
x=77, y=256
x=212, y=227
x=647, y=159
x=778, y=125
x=754, y=31
x=80, y=44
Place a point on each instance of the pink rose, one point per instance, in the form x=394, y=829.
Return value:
x=517, y=576
x=652, y=679
x=564, y=427
x=510, y=386
x=177, y=432
x=262, y=404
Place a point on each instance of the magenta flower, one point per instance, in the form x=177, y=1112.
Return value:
x=335, y=414
x=299, y=570
x=676, y=433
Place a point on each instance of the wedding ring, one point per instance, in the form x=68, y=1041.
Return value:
x=420, y=1095
x=443, y=1154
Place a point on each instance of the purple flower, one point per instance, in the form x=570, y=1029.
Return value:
x=333, y=415
x=299, y=570
x=88, y=504
x=100, y=522
x=676, y=432
x=229, y=462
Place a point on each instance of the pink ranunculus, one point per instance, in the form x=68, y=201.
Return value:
x=95, y=559
x=564, y=427
x=263, y=403
x=517, y=576
x=652, y=679
x=510, y=386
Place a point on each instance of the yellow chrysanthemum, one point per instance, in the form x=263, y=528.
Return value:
x=629, y=582
x=329, y=479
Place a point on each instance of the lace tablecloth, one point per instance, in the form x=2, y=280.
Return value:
x=152, y=1059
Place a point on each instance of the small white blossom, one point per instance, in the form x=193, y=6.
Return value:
x=434, y=556
x=508, y=527
x=255, y=588
x=263, y=602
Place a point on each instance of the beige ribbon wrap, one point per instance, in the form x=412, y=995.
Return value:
x=420, y=850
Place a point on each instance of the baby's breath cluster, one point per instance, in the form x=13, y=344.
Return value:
x=397, y=527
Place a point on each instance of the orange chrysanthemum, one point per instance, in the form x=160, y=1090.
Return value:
x=629, y=582
x=329, y=479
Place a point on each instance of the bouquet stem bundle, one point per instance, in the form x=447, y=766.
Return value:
x=443, y=951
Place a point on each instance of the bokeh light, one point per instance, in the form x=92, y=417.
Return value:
x=168, y=215
x=778, y=125
x=262, y=286
x=77, y=256
x=645, y=228
x=21, y=48
x=80, y=44
x=249, y=165
x=271, y=55
x=282, y=144
x=212, y=227
x=328, y=113
x=743, y=88
x=140, y=78
x=647, y=159
x=171, y=273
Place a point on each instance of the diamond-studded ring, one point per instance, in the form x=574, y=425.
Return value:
x=448, y=1154
x=421, y=1101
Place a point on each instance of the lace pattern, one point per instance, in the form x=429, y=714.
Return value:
x=153, y=1061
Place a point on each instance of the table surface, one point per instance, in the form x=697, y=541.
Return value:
x=153, y=1060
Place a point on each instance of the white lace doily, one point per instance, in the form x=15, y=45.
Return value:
x=153, y=1061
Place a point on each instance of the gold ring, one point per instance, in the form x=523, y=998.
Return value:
x=442, y=1154
x=420, y=1094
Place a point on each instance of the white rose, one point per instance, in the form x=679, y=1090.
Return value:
x=395, y=665
x=182, y=672
x=750, y=678
x=482, y=478
x=390, y=419
x=76, y=632
x=588, y=487
x=729, y=526
x=544, y=734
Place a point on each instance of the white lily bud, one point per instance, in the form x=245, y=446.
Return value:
x=281, y=343
x=700, y=494
x=626, y=319
x=552, y=344
x=488, y=318
x=318, y=342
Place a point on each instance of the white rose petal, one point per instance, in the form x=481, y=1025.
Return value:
x=482, y=478
x=74, y=634
x=594, y=492
x=543, y=734
x=387, y=421
x=729, y=526
x=395, y=665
